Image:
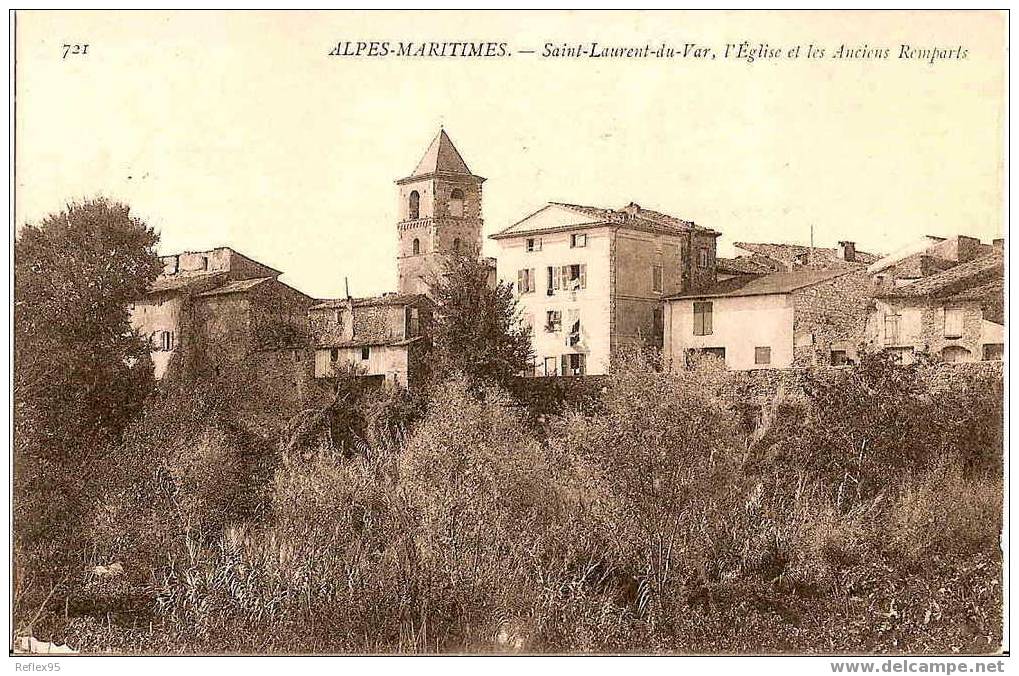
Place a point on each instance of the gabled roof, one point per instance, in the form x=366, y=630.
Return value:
x=764, y=285
x=743, y=265
x=371, y=341
x=918, y=247
x=790, y=254
x=238, y=286
x=953, y=281
x=372, y=301
x=166, y=283
x=561, y=216
x=441, y=157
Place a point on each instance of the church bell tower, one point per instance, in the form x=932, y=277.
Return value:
x=440, y=215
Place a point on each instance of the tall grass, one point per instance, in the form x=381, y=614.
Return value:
x=655, y=521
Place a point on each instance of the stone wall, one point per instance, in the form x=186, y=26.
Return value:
x=279, y=316
x=701, y=278
x=742, y=389
x=830, y=315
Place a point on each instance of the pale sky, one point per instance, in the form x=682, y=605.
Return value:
x=237, y=129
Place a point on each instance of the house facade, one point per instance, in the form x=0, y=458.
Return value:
x=807, y=317
x=591, y=280
x=955, y=312
x=382, y=339
x=223, y=304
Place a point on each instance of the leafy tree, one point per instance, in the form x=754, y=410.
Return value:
x=80, y=374
x=478, y=331
x=79, y=370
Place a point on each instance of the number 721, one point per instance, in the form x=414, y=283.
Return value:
x=75, y=49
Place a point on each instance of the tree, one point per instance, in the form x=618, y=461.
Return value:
x=477, y=326
x=80, y=371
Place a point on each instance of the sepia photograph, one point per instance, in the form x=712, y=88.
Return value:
x=509, y=333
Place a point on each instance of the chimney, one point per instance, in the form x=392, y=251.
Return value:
x=964, y=248
x=631, y=210
x=847, y=251
x=999, y=244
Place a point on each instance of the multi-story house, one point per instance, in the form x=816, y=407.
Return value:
x=223, y=305
x=591, y=280
x=381, y=339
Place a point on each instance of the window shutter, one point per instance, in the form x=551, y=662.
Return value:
x=556, y=272
x=583, y=275
x=520, y=281
x=707, y=319
x=566, y=365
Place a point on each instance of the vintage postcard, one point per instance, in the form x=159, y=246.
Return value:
x=515, y=333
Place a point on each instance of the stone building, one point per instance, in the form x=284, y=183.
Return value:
x=230, y=304
x=591, y=280
x=761, y=258
x=440, y=215
x=928, y=303
x=807, y=317
x=221, y=316
x=385, y=338
x=928, y=256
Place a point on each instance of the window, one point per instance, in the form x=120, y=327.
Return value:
x=892, y=329
x=203, y=263
x=534, y=244
x=334, y=354
x=417, y=246
x=456, y=244
x=553, y=280
x=656, y=278
x=839, y=358
x=366, y=352
x=414, y=206
x=703, y=258
x=553, y=321
x=527, y=320
x=573, y=322
x=526, y=282
x=456, y=203
x=413, y=322
x=573, y=364
x=577, y=241
x=953, y=322
x=574, y=277
x=550, y=366
x=338, y=316
x=702, y=318
x=762, y=355
x=166, y=341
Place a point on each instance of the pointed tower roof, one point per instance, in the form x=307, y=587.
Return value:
x=441, y=157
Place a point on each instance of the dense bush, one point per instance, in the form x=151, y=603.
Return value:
x=656, y=520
